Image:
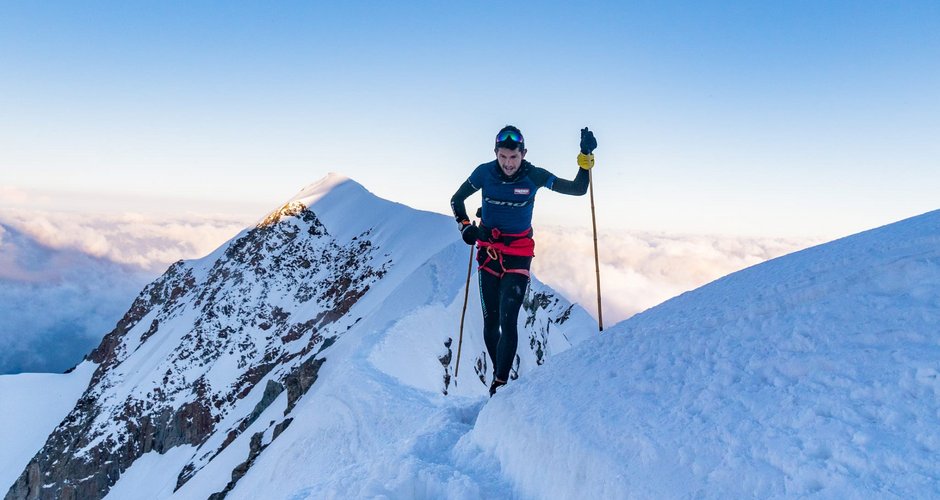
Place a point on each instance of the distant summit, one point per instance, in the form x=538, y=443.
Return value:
x=312, y=193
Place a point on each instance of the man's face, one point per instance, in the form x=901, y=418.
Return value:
x=509, y=160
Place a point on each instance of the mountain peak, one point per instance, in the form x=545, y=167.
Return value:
x=333, y=180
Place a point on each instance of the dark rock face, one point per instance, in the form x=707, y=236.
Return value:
x=300, y=381
x=198, y=340
x=541, y=309
x=445, y=360
x=557, y=313
x=239, y=471
x=162, y=293
x=271, y=391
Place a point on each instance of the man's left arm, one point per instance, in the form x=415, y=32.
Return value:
x=576, y=187
x=579, y=185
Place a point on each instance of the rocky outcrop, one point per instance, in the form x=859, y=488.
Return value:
x=542, y=310
x=445, y=360
x=553, y=311
x=300, y=380
x=164, y=293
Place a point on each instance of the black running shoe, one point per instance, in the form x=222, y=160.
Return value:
x=497, y=383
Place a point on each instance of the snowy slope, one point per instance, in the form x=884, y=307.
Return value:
x=327, y=304
x=378, y=424
x=31, y=405
x=817, y=373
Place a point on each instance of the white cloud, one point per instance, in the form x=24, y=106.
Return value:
x=640, y=269
x=144, y=241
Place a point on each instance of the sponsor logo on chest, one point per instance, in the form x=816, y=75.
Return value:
x=521, y=191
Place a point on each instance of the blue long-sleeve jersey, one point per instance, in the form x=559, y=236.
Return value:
x=508, y=201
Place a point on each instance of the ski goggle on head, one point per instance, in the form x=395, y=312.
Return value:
x=510, y=136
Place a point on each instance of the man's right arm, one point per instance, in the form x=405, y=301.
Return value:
x=457, y=201
x=470, y=233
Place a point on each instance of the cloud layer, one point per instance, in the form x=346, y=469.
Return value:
x=143, y=241
x=639, y=270
x=66, y=279
x=55, y=304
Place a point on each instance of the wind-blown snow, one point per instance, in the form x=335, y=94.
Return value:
x=816, y=373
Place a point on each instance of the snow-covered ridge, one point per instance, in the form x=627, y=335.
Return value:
x=817, y=373
x=214, y=360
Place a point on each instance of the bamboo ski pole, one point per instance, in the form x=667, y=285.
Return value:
x=466, y=294
x=597, y=265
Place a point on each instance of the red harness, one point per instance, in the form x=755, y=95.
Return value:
x=516, y=244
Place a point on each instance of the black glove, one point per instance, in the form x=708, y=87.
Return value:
x=588, y=142
x=470, y=233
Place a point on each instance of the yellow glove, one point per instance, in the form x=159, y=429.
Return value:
x=586, y=161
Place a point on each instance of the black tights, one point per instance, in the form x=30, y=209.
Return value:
x=502, y=298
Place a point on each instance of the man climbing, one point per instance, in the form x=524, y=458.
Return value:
x=504, y=237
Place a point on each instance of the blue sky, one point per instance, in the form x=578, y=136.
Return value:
x=771, y=118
